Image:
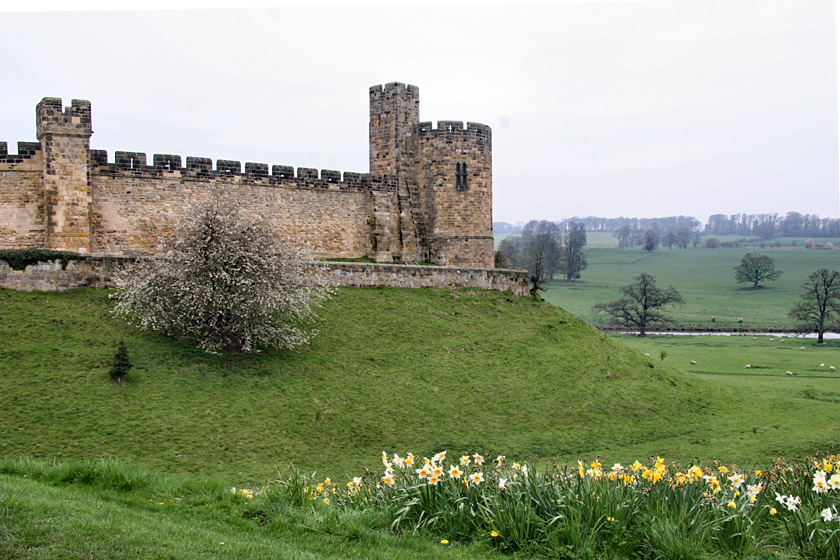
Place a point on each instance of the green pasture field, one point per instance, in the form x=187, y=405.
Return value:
x=767, y=355
x=706, y=280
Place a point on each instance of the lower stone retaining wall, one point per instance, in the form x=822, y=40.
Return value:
x=414, y=276
x=49, y=276
x=99, y=271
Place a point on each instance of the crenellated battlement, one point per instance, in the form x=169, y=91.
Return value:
x=75, y=120
x=454, y=127
x=134, y=164
x=25, y=150
x=395, y=89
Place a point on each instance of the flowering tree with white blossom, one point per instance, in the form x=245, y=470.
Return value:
x=225, y=282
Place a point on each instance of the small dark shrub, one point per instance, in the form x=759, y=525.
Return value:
x=121, y=364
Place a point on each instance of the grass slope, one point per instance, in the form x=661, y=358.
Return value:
x=704, y=277
x=83, y=510
x=401, y=370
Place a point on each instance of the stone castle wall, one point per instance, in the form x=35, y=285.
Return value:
x=22, y=212
x=428, y=196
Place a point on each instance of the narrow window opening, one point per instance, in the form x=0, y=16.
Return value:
x=460, y=176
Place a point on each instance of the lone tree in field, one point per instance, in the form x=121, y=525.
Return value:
x=225, y=282
x=755, y=268
x=650, y=240
x=538, y=277
x=572, y=259
x=641, y=303
x=819, y=304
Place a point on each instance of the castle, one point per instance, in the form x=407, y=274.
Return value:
x=427, y=197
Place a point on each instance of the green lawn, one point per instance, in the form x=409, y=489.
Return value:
x=399, y=370
x=706, y=280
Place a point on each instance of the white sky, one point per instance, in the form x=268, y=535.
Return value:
x=622, y=108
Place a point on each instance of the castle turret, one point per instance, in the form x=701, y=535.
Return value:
x=65, y=143
x=454, y=173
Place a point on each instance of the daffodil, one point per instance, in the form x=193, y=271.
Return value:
x=454, y=472
x=820, y=484
x=478, y=459
x=477, y=478
x=827, y=515
x=736, y=479
x=433, y=480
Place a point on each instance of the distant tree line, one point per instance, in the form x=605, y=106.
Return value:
x=765, y=226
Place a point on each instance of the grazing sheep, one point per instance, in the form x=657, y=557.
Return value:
x=832, y=368
x=755, y=338
x=822, y=365
x=748, y=366
x=693, y=363
x=802, y=348
x=771, y=340
x=788, y=373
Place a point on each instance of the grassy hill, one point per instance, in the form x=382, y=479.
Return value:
x=399, y=370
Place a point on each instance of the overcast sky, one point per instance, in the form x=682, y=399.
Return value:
x=598, y=108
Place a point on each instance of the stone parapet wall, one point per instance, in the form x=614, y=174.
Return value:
x=415, y=276
x=99, y=271
x=96, y=271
